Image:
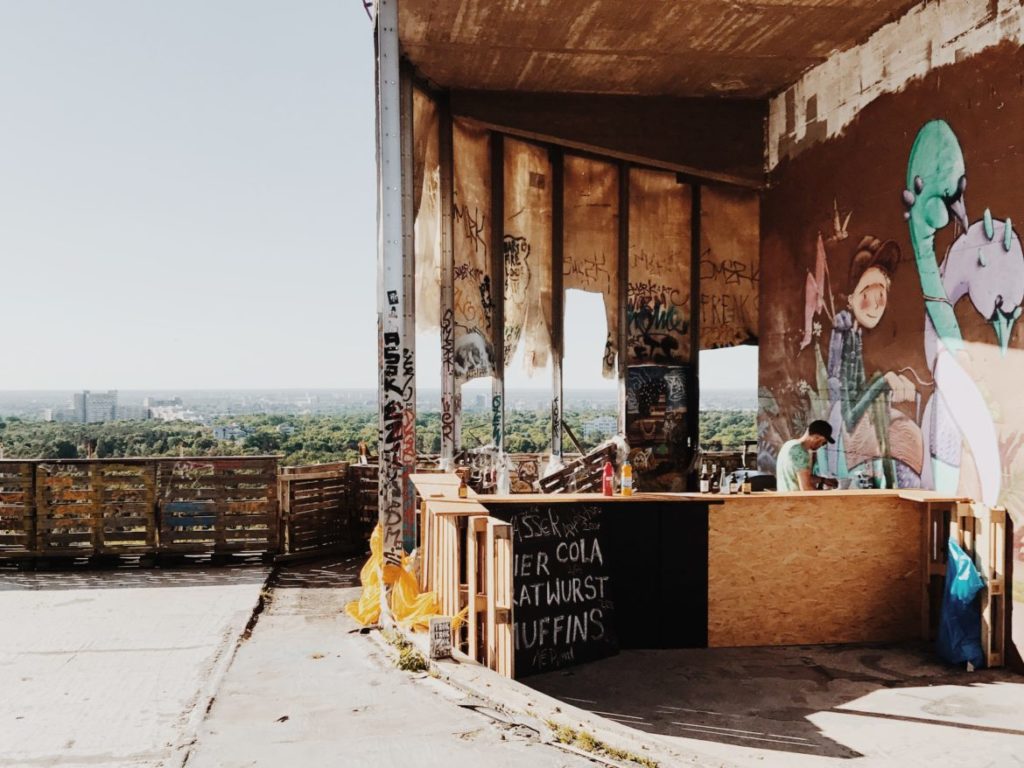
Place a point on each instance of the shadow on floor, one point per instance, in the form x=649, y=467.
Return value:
x=764, y=697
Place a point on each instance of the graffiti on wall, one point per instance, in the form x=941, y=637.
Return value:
x=908, y=426
x=656, y=420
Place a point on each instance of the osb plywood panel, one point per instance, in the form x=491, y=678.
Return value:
x=750, y=48
x=819, y=569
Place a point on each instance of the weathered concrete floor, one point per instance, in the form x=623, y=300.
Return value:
x=114, y=668
x=307, y=690
x=813, y=705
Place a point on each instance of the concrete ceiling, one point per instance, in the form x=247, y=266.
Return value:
x=737, y=48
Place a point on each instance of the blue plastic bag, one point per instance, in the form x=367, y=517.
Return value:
x=959, y=638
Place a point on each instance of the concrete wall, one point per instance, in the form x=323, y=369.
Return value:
x=918, y=369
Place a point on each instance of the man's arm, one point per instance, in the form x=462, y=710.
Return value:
x=803, y=477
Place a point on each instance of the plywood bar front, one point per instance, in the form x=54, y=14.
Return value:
x=807, y=568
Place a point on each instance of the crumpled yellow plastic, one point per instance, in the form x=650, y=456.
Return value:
x=410, y=608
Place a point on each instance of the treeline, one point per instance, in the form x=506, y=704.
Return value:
x=314, y=439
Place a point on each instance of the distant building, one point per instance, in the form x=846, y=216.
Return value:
x=154, y=402
x=602, y=426
x=132, y=413
x=229, y=432
x=286, y=429
x=94, y=407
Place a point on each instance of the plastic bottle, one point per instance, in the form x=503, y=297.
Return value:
x=627, y=479
x=503, y=478
x=723, y=483
x=607, y=479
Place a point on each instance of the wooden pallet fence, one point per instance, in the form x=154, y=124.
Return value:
x=316, y=513
x=218, y=506
x=935, y=522
x=17, y=508
x=125, y=497
x=363, y=490
x=67, y=510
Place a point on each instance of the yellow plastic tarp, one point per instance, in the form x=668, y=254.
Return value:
x=410, y=608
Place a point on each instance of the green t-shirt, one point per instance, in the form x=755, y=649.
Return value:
x=793, y=458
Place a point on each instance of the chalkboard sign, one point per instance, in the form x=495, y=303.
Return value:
x=564, y=611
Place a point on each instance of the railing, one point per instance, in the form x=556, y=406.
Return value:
x=90, y=507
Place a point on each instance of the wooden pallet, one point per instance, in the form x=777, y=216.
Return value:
x=981, y=533
x=218, y=506
x=17, y=508
x=315, y=511
x=585, y=473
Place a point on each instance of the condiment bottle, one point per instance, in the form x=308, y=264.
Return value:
x=705, y=479
x=607, y=476
x=463, y=488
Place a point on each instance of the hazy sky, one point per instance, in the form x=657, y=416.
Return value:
x=187, y=198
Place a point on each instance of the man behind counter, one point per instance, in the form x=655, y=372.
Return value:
x=793, y=467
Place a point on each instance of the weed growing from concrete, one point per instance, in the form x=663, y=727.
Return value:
x=409, y=659
x=587, y=743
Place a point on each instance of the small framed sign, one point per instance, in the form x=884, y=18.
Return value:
x=440, y=637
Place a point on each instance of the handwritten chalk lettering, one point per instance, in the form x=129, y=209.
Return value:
x=560, y=629
x=554, y=658
x=567, y=591
x=546, y=523
x=580, y=551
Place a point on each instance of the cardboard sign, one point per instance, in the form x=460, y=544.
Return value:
x=440, y=637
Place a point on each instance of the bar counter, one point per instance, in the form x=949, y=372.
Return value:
x=767, y=568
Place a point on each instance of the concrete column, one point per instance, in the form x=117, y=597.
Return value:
x=396, y=331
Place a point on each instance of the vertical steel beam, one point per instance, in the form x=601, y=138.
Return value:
x=396, y=355
x=498, y=291
x=408, y=312
x=622, y=296
x=556, y=159
x=693, y=382
x=449, y=396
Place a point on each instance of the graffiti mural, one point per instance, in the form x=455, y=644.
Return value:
x=656, y=423
x=658, y=290
x=473, y=350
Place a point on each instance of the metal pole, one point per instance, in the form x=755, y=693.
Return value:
x=408, y=314
x=396, y=355
x=623, y=292
x=449, y=395
x=557, y=298
x=693, y=384
x=498, y=291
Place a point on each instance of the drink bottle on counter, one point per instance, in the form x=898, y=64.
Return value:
x=627, y=479
x=705, y=479
x=607, y=479
x=723, y=483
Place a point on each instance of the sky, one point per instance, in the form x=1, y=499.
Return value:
x=187, y=200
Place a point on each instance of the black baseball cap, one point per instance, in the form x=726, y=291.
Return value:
x=821, y=428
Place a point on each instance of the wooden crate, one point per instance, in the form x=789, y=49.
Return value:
x=585, y=473
x=363, y=479
x=17, y=508
x=68, y=514
x=218, y=505
x=125, y=494
x=315, y=508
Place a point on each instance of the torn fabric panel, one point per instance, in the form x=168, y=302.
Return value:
x=527, y=244
x=471, y=241
x=591, y=251
x=658, y=295
x=427, y=207
x=729, y=266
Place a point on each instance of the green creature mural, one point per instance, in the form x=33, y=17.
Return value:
x=987, y=265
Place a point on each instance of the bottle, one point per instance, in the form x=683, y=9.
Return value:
x=705, y=479
x=723, y=483
x=463, y=488
x=627, y=479
x=607, y=475
x=713, y=484
x=503, y=478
